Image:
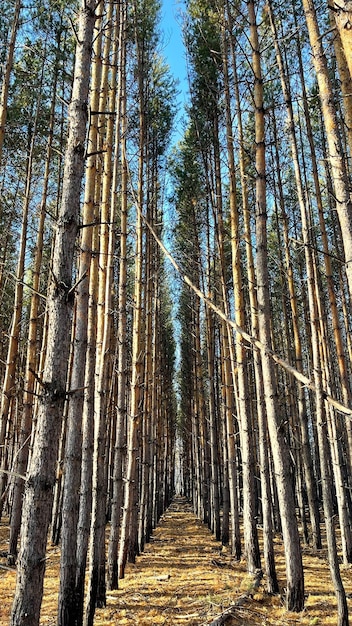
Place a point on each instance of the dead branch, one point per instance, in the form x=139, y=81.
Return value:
x=232, y=610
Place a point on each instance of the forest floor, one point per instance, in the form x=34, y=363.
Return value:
x=184, y=578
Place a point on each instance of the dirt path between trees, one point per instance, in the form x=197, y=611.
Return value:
x=184, y=578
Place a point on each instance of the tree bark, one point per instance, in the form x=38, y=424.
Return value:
x=335, y=153
x=41, y=474
x=294, y=569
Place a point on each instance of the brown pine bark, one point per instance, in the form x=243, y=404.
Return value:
x=343, y=17
x=128, y=530
x=335, y=153
x=41, y=474
x=96, y=593
x=7, y=73
x=31, y=357
x=293, y=558
x=68, y=609
x=244, y=407
x=120, y=439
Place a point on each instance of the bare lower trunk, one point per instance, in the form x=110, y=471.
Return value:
x=294, y=569
x=41, y=474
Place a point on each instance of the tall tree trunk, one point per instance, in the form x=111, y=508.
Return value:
x=335, y=152
x=302, y=410
x=68, y=609
x=126, y=537
x=120, y=440
x=267, y=508
x=343, y=17
x=9, y=384
x=96, y=594
x=244, y=407
x=31, y=358
x=293, y=557
x=41, y=474
x=85, y=504
x=7, y=73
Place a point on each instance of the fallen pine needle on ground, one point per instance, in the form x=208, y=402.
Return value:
x=184, y=578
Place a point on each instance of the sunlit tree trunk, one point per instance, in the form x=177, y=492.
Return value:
x=302, y=408
x=126, y=537
x=68, y=602
x=96, y=593
x=332, y=292
x=41, y=473
x=214, y=521
x=313, y=290
x=9, y=383
x=293, y=557
x=335, y=152
x=343, y=18
x=267, y=507
x=85, y=503
x=7, y=73
x=346, y=87
x=243, y=403
x=120, y=440
x=32, y=357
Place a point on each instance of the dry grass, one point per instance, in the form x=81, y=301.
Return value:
x=182, y=579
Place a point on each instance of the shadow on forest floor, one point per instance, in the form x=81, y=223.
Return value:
x=182, y=578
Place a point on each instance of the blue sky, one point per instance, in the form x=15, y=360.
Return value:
x=173, y=49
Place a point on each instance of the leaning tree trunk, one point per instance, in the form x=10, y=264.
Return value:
x=41, y=473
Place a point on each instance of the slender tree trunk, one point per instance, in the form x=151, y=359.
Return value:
x=96, y=594
x=31, y=359
x=68, y=609
x=267, y=508
x=335, y=153
x=342, y=10
x=244, y=418
x=302, y=410
x=346, y=87
x=9, y=383
x=137, y=353
x=85, y=504
x=120, y=440
x=7, y=73
x=294, y=569
x=213, y=430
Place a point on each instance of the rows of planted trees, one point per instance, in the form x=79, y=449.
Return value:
x=261, y=192
x=87, y=352
x=262, y=186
